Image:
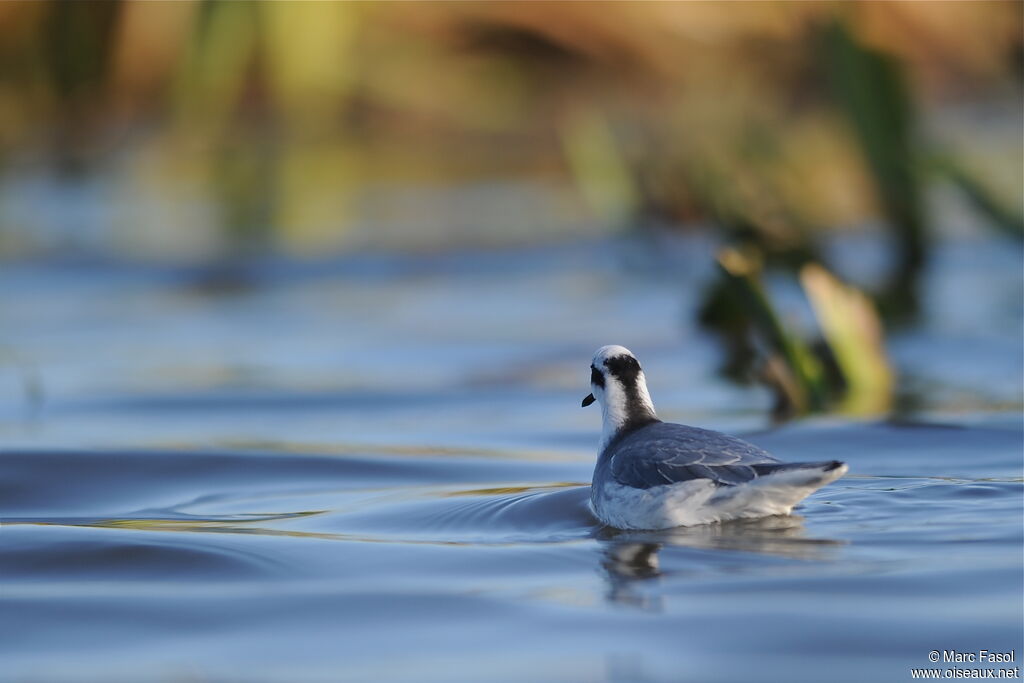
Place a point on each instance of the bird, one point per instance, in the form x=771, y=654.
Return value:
x=653, y=475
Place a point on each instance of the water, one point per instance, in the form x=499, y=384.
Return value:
x=377, y=469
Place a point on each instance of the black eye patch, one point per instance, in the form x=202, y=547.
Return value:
x=626, y=368
x=596, y=377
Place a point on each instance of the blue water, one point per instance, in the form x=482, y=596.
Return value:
x=376, y=468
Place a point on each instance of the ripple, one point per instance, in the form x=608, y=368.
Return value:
x=538, y=513
x=81, y=552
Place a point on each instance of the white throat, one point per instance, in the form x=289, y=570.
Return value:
x=618, y=408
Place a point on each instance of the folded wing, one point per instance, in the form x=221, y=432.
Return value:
x=665, y=453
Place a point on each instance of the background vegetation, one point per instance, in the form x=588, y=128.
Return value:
x=215, y=133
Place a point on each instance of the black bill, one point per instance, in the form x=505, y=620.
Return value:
x=588, y=400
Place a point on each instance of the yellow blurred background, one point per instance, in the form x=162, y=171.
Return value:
x=204, y=129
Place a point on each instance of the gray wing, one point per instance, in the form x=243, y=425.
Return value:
x=666, y=453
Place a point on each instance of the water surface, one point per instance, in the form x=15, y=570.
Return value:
x=378, y=468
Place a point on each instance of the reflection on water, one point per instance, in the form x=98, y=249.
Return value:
x=783, y=535
x=625, y=564
x=631, y=556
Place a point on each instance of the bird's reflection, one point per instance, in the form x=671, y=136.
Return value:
x=630, y=558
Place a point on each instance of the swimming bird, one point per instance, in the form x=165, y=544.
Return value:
x=657, y=475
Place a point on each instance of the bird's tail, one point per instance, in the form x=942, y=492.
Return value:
x=777, y=488
x=803, y=473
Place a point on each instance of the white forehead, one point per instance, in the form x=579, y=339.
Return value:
x=606, y=352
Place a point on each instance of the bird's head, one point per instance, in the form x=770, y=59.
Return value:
x=612, y=369
x=618, y=385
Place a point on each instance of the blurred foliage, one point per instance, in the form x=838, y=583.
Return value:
x=1002, y=215
x=228, y=129
x=604, y=179
x=871, y=90
x=771, y=119
x=851, y=329
x=791, y=369
x=844, y=368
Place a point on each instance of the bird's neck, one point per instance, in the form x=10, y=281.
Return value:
x=626, y=406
